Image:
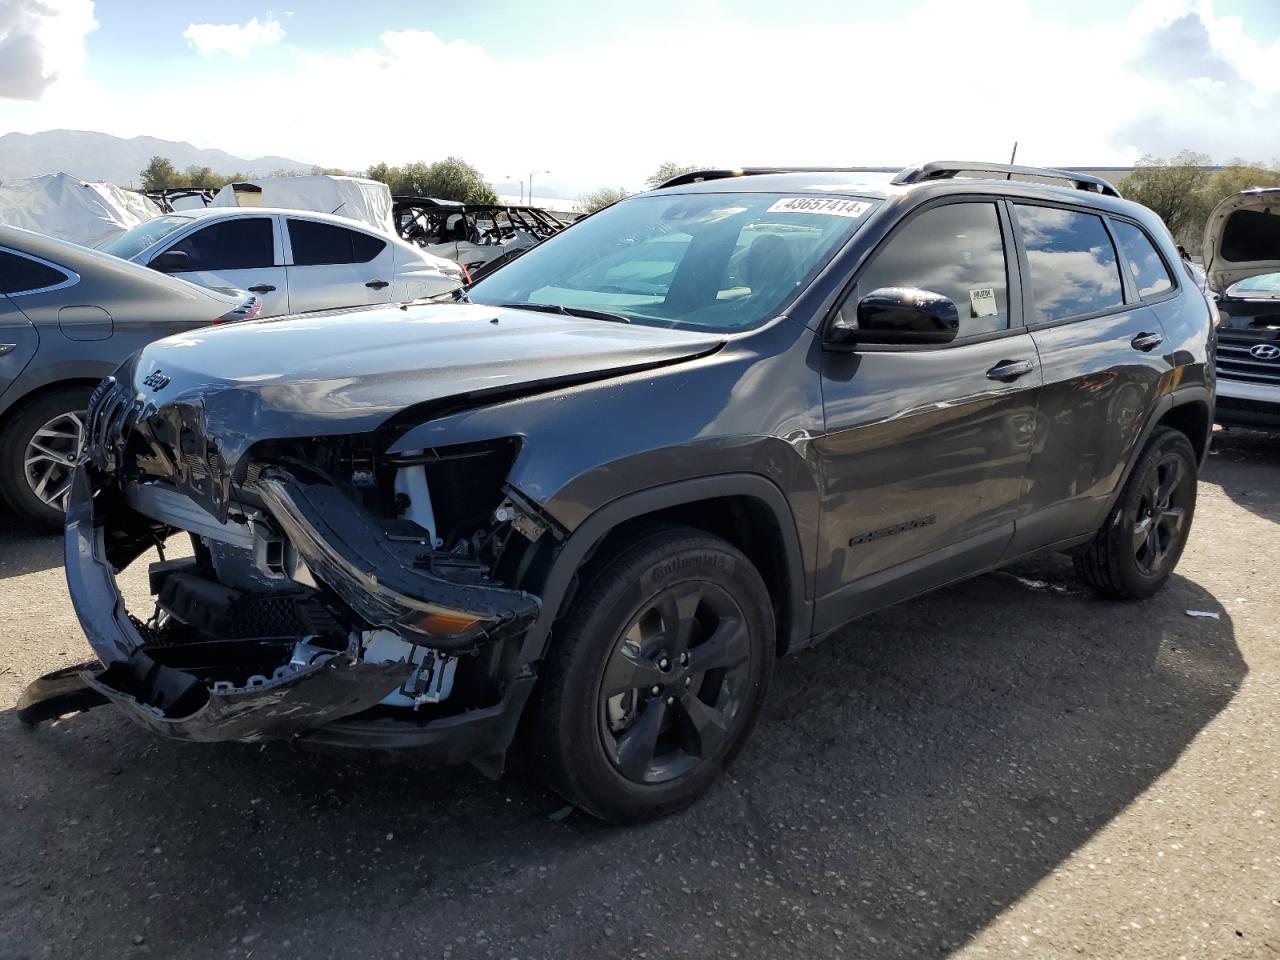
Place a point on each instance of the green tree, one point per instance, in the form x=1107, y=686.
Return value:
x=159, y=174
x=604, y=197
x=197, y=176
x=391, y=176
x=669, y=170
x=450, y=179
x=318, y=171
x=1175, y=188
x=1239, y=175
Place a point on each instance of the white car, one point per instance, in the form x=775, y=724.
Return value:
x=294, y=260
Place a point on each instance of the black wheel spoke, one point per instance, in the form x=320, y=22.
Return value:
x=1170, y=477
x=703, y=725
x=726, y=647
x=677, y=609
x=637, y=745
x=1141, y=531
x=628, y=670
x=1172, y=518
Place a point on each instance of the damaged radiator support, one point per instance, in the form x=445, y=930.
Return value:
x=342, y=546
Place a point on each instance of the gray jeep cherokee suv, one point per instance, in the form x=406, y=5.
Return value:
x=697, y=430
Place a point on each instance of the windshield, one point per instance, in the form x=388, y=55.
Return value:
x=1263, y=286
x=718, y=261
x=136, y=239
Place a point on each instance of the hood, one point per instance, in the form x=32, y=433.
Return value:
x=1242, y=237
x=350, y=372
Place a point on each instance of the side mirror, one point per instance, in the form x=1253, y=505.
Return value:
x=171, y=261
x=900, y=316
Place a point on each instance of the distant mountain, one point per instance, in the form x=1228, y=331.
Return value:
x=100, y=156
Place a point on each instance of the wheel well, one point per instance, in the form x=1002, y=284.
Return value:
x=743, y=521
x=1191, y=419
x=27, y=398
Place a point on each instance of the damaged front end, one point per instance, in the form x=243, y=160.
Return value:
x=326, y=595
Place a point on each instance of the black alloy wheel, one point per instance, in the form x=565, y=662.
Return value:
x=678, y=676
x=1140, y=542
x=1160, y=514
x=656, y=673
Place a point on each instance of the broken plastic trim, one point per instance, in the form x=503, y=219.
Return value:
x=347, y=549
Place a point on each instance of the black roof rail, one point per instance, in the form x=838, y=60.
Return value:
x=698, y=176
x=948, y=169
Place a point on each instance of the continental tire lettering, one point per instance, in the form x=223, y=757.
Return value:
x=692, y=564
x=897, y=528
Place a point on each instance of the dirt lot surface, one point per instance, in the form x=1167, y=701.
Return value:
x=1007, y=768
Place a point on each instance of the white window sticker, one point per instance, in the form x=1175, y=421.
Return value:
x=823, y=206
x=983, y=302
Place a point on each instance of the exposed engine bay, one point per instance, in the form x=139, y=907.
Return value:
x=331, y=580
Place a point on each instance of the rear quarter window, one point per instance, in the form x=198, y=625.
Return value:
x=1145, y=263
x=19, y=274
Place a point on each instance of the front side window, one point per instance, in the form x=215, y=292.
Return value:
x=1073, y=264
x=714, y=261
x=19, y=274
x=238, y=243
x=1145, y=263
x=955, y=250
x=317, y=244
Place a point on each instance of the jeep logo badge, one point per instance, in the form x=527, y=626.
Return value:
x=157, y=380
x=1265, y=351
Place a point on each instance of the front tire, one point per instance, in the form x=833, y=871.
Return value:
x=39, y=447
x=1140, y=543
x=657, y=677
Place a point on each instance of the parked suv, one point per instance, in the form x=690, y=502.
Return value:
x=1242, y=260
x=699, y=429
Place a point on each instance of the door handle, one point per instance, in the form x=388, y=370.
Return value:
x=1009, y=370
x=261, y=288
x=377, y=284
x=1146, y=341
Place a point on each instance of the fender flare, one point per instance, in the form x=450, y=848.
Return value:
x=596, y=527
x=1170, y=401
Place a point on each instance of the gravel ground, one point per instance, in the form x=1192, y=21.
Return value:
x=1007, y=768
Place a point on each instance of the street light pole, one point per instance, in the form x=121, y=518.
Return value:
x=521, y=182
x=531, y=176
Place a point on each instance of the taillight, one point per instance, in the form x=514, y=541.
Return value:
x=248, y=310
x=466, y=274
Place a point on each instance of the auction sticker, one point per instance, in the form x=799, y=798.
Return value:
x=823, y=206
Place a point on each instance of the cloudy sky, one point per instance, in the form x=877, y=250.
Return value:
x=600, y=92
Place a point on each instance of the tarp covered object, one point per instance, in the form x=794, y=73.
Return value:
x=62, y=206
x=365, y=200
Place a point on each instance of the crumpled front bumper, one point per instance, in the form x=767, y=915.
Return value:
x=298, y=696
x=307, y=696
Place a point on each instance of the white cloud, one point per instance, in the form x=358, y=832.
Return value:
x=41, y=41
x=233, y=38
x=945, y=80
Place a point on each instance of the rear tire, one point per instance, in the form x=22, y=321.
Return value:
x=1140, y=543
x=60, y=411
x=680, y=612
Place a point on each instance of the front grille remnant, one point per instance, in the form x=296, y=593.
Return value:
x=1238, y=359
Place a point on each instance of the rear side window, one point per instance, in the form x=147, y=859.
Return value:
x=1145, y=263
x=955, y=250
x=239, y=243
x=21, y=275
x=323, y=243
x=1073, y=263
